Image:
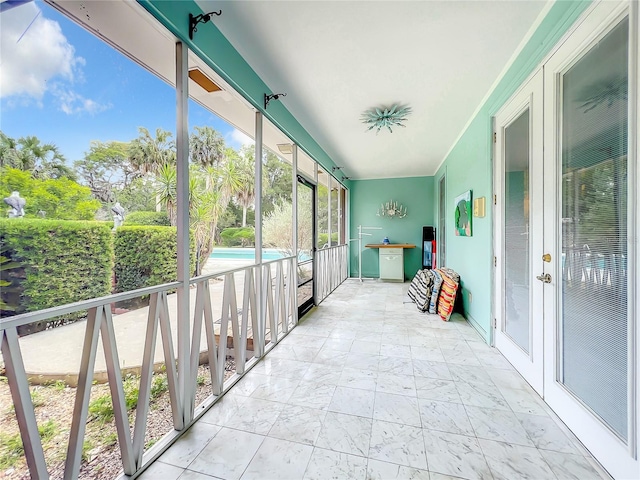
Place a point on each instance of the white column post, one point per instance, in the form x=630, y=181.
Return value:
x=259, y=350
x=294, y=223
x=185, y=384
x=329, y=181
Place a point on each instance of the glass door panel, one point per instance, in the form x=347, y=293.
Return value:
x=306, y=244
x=594, y=197
x=516, y=232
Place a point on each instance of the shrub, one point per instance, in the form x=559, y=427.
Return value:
x=233, y=237
x=146, y=256
x=59, y=198
x=323, y=239
x=158, y=219
x=60, y=262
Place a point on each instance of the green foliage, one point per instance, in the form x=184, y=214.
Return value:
x=41, y=160
x=59, y=198
x=11, y=450
x=233, y=237
x=159, y=219
x=159, y=385
x=101, y=409
x=146, y=256
x=131, y=386
x=323, y=239
x=61, y=262
x=36, y=399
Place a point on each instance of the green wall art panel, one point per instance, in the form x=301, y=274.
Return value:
x=463, y=215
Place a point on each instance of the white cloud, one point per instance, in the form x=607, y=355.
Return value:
x=71, y=102
x=240, y=138
x=37, y=58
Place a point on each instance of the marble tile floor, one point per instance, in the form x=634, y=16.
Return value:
x=367, y=387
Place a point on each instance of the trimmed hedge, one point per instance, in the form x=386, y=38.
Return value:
x=233, y=237
x=159, y=219
x=60, y=262
x=146, y=256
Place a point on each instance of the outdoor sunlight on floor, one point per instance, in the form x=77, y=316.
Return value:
x=368, y=387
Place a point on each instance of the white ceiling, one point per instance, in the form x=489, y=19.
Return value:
x=336, y=59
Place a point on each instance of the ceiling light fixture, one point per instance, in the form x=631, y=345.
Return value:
x=285, y=148
x=274, y=96
x=385, y=117
x=202, y=18
x=203, y=80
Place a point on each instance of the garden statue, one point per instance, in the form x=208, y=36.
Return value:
x=17, y=203
x=118, y=215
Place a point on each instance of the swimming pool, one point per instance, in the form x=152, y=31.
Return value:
x=222, y=253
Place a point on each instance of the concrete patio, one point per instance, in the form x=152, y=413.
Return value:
x=366, y=387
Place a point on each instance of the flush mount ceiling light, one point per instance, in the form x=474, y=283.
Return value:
x=385, y=117
x=285, y=148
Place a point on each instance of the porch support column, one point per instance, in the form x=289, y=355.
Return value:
x=329, y=182
x=185, y=385
x=294, y=223
x=259, y=350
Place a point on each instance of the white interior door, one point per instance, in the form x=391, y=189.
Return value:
x=589, y=220
x=518, y=187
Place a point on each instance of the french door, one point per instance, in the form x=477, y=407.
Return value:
x=519, y=192
x=590, y=214
x=566, y=233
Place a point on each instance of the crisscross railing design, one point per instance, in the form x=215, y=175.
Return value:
x=331, y=268
x=258, y=307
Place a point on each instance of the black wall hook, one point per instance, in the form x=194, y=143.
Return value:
x=202, y=18
x=275, y=96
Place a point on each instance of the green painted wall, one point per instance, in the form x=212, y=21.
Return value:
x=212, y=47
x=469, y=167
x=415, y=193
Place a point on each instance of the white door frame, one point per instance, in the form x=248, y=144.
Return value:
x=618, y=458
x=529, y=364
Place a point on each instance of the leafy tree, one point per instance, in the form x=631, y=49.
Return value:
x=277, y=228
x=59, y=198
x=106, y=169
x=42, y=160
x=276, y=179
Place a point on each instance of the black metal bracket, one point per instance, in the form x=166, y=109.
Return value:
x=202, y=18
x=275, y=96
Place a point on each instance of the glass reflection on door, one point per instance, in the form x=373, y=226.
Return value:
x=594, y=197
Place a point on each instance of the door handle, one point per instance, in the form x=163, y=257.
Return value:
x=544, y=278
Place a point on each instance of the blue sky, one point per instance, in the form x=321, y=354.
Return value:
x=67, y=87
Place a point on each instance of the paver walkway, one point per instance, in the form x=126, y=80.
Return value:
x=366, y=387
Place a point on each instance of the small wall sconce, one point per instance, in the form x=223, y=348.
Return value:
x=202, y=18
x=345, y=178
x=275, y=96
x=392, y=209
x=333, y=169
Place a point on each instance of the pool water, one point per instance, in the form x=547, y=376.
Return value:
x=248, y=254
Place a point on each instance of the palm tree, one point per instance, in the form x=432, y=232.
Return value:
x=206, y=147
x=246, y=193
x=29, y=154
x=149, y=154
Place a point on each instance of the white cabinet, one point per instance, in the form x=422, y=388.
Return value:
x=392, y=264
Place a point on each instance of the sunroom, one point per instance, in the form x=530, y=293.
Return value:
x=298, y=163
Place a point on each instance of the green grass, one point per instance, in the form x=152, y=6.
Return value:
x=159, y=385
x=11, y=450
x=48, y=430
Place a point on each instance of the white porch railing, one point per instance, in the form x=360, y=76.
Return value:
x=267, y=296
x=332, y=269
